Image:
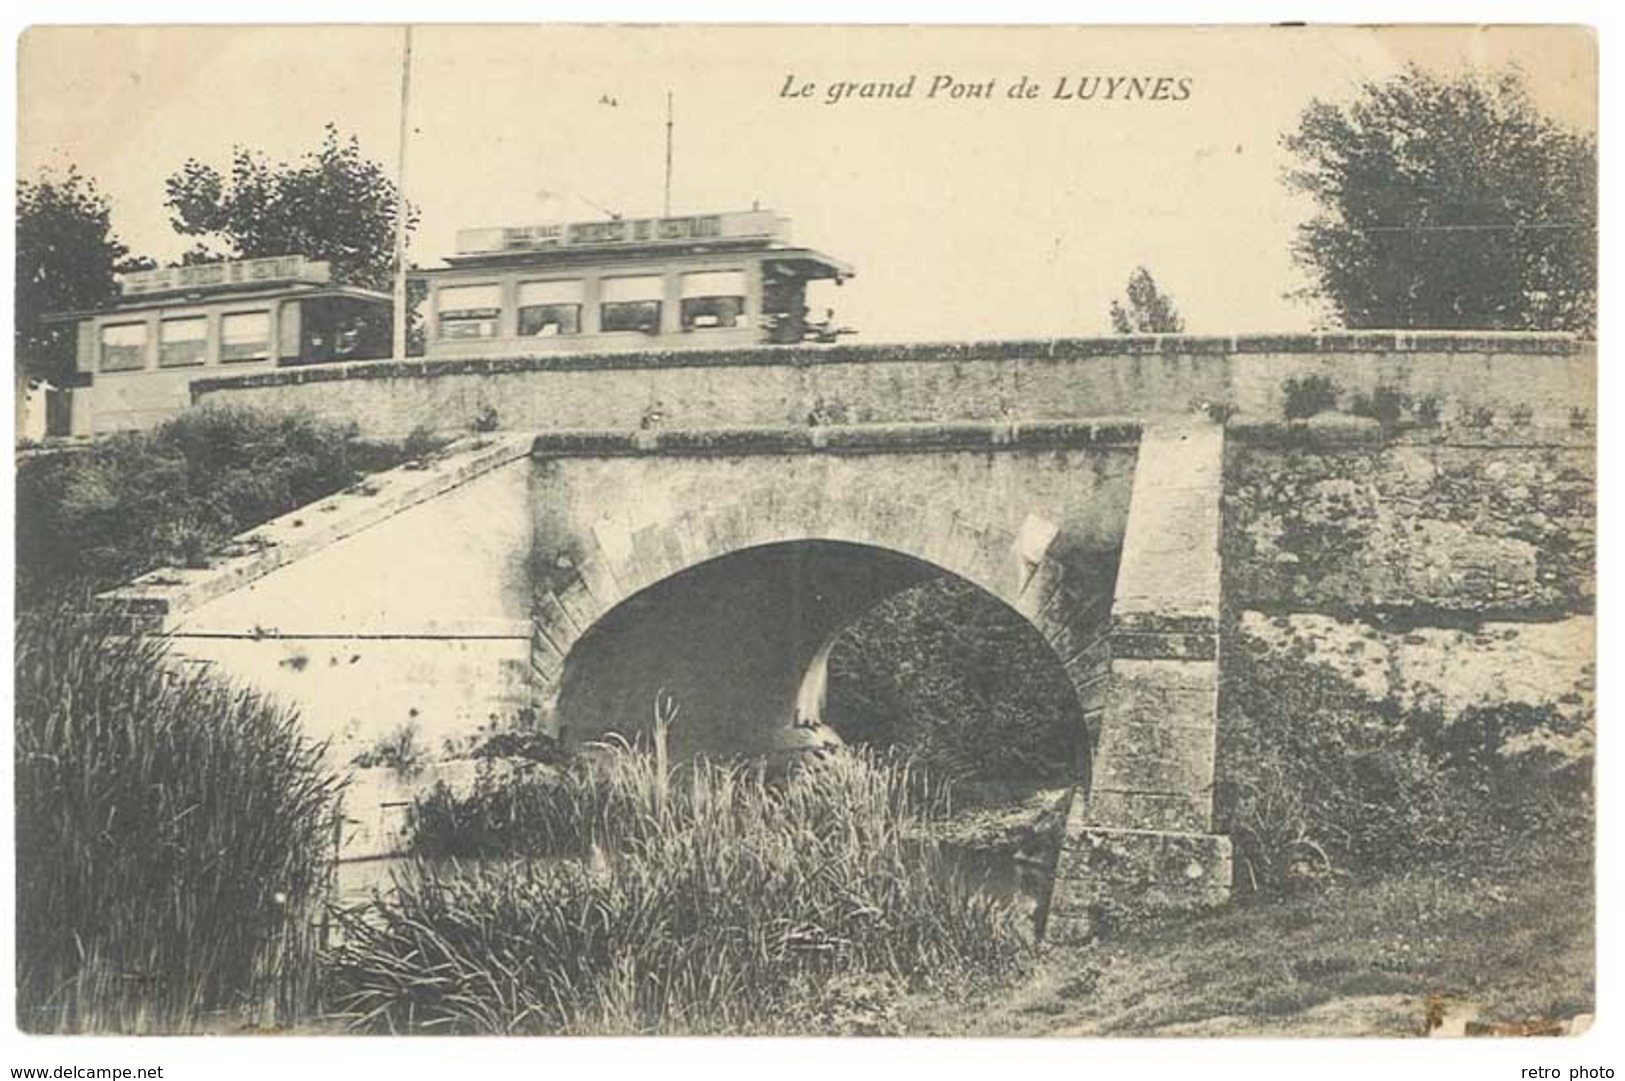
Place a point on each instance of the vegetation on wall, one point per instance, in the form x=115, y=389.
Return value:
x=1304, y=396
x=1426, y=534
x=1317, y=779
x=134, y=501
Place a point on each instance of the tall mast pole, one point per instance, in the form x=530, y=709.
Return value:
x=398, y=338
x=668, y=154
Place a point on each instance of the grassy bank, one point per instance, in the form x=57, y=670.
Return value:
x=1510, y=943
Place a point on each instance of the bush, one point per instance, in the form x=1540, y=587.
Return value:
x=957, y=680
x=421, y=443
x=1307, y=395
x=712, y=900
x=1386, y=404
x=172, y=839
x=513, y=809
x=1318, y=779
x=135, y=501
x=399, y=751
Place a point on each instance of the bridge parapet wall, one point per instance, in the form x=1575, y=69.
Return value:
x=926, y=382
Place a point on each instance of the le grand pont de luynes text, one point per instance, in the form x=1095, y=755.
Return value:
x=1098, y=88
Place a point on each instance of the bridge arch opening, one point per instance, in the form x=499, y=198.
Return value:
x=776, y=647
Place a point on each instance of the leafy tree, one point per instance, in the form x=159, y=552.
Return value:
x=1149, y=310
x=67, y=255
x=1448, y=203
x=333, y=204
x=955, y=678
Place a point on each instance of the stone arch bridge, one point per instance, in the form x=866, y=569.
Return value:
x=571, y=571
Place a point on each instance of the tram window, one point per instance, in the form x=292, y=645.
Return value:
x=550, y=308
x=245, y=336
x=642, y=316
x=183, y=342
x=124, y=347
x=713, y=299
x=631, y=304
x=704, y=313
x=469, y=311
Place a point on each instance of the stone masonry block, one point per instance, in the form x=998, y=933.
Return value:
x=1176, y=647
x=1172, y=581
x=1151, y=810
x=1152, y=622
x=544, y=655
x=903, y=525
x=729, y=529
x=1046, y=579
x=1071, y=623
x=1092, y=693
x=651, y=555
x=1185, y=455
x=1154, y=757
x=555, y=623
x=543, y=676
x=1152, y=675
x=675, y=557
x=1105, y=875
x=614, y=542
x=600, y=581
x=934, y=531
x=963, y=554
x=769, y=515
x=1188, y=521
x=578, y=603
x=996, y=551
x=1089, y=665
x=690, y=535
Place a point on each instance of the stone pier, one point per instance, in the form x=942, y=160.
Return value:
x=1141, y=838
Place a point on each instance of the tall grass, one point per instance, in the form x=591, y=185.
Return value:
x=711, y=899
x=172, y=840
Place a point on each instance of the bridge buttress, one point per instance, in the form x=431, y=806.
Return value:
x=1142, y=838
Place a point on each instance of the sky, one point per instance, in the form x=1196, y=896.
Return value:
x=975, y=217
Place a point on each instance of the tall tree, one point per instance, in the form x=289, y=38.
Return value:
x=67, y=256
x=1450, y=203
x=1148, y=309
x=333, y=204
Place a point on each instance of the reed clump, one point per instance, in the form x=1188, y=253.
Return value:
x=173, y=841
x=705, y=897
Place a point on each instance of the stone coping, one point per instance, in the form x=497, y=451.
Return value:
x=153, y=601
x=1332, y=430
x=466, y=629
x=837, y=439
x=1366, y=341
